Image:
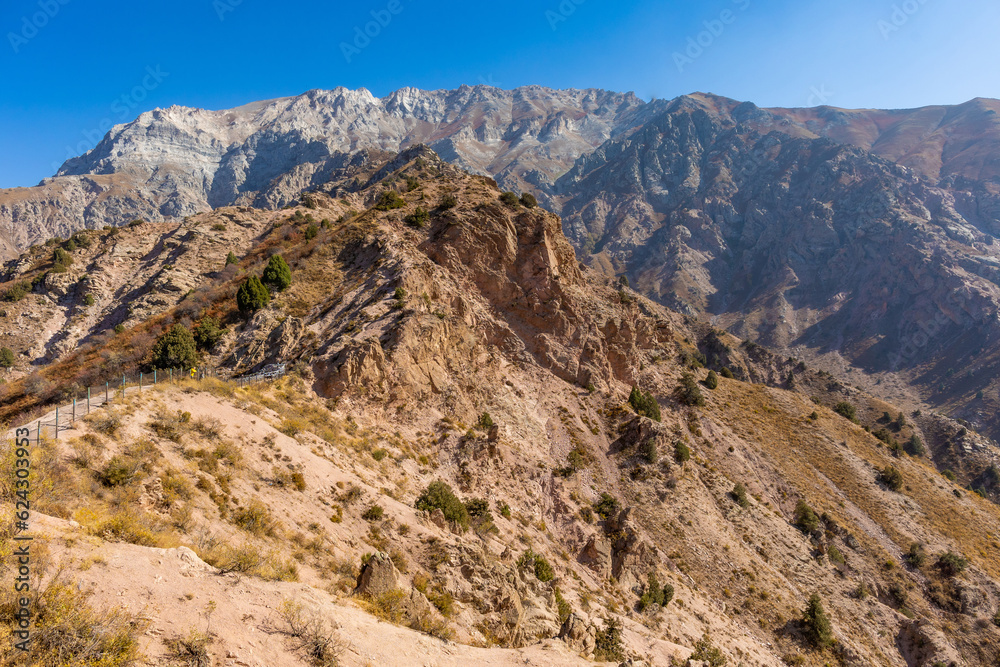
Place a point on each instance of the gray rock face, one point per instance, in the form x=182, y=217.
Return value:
x=378, y=576
x=174, y=162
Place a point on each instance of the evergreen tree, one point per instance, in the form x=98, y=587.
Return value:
x=277, y=274
x=252, y=296
x=231, y=258
x=6, y=357
x=207, y=333
x=175, y=348
x=817, y=623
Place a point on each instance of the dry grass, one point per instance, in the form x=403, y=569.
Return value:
x=311, y=635
x=67, y=630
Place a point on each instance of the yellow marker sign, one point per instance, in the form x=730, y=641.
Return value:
x=194, y=371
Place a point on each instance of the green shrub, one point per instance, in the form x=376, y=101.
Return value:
x=805, y=517
x=949, y=475
x=373, y=513
x=379, y=454
x=7, y=358
x=116, y=472
x=608, y=645
x=509, y=199
x=649, y=451
x=818, y=628
x=231, y=258
x=655, y=594
x=311, y=232
x=175, y=348
x=412, y=184
x=448, y=202
x=207, y=333
x=833, y=553
x=607, y=506
x=951, y=564
x=61, y=260
x=644, y=404
x=710, y=655
x=389, y=200
x=252, y=296
x=528, y=200
x=88, y=299
x=915, y=446
x=485, y=421
x=418, y=218
x=477, y=508
x=726, y=373
x=915, y=557
x=688, y=392
x=682, y=453
x=119, y=328
x=17, y=292
x=562, y=606
x=537, y=562
x=891, y=477
x=846, y=410
x=277, y=274
x=739, y=494
x=712, y=380
x=438, y=495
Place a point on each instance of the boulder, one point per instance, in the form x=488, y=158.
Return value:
x=378, y=576
x=579, y=635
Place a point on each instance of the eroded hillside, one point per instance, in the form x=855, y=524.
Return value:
x=439, y=334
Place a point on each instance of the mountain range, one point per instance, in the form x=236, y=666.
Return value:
x=483, y=451
x=855, y=238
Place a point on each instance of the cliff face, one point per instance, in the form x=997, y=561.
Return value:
x=174, y=162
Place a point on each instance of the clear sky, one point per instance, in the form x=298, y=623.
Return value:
x=70, y=68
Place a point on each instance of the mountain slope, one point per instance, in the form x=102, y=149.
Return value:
x=459, y=346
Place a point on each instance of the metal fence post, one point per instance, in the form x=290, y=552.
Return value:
x=140, y=382
x=73, y=420
x=38, y=433
x=57, y=422
x=107, y=386
x=88, y=400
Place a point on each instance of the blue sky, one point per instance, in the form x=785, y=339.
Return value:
x=70, y=68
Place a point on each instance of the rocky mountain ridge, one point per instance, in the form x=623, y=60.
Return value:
x=439, y=332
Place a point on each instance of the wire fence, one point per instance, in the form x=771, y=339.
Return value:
x=65, y=416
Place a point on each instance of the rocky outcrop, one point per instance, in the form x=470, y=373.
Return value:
x=921, y=645
x=378, y=576
x=579, y=635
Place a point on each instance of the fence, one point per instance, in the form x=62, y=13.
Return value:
x=65, y=416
